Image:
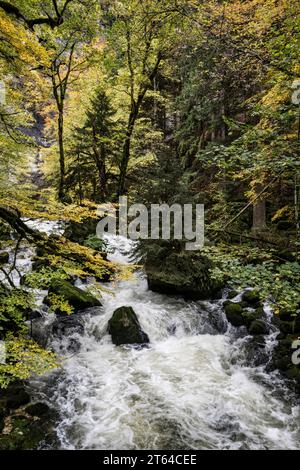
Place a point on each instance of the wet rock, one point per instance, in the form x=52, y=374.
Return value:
x=256, y=354
x=258, y=327
x=41, y=331
x=124, y=328
x=14, y=396
x=251, y=297
x=234, y=313
x=232, y=294
x=182, y=274
x=33, y=315
x=67, y=326
x=251, y=316
x=38, y=409
x=77, y=298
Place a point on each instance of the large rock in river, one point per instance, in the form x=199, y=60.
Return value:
x=77, y=298
x=124, y=328
x=183, y=274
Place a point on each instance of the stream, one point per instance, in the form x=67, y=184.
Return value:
x=197, y=385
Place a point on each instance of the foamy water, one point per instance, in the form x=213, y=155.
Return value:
x=190, y=389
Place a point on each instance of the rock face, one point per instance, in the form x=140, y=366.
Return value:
x=183, y=274
x=77, y=298
x=124, y=328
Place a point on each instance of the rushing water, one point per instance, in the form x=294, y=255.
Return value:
x=190, y=389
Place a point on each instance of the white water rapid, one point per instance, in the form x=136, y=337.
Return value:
x=192, y=388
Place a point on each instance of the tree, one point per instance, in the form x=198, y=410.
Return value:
x=94, y=143
x=142, y=36
x=70, y=49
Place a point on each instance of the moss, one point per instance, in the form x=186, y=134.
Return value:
x=258, y=327
x=182, y=274
x=77, y=298
x=124, y=328
x=234, y=313
x=232, y=294
x=252, y=298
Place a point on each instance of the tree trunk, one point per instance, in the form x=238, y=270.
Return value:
x=126, y=149
x=259, y=212
x=61, y=190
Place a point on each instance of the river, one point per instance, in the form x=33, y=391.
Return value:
x=192, y=388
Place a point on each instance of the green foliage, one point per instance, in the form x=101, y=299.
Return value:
x=24, y=359
x=14, y=306
x=277, y=282
x=96, y=243
x=43, y=278
x=59, y=304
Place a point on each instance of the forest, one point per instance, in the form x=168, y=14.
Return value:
x=112, y=343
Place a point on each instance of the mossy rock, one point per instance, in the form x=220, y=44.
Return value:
x=78, y=232
x=294, y=373
x=185, y=274
x=252, y=298
x=234, y=313
x=124, y=328
x=232, y=294
x=258, y=327
x=77, y=298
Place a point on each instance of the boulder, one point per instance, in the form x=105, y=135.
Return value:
x=77, y=298
x=67, y=327
x=234, y=313
x=124, y=328
x=14, y=396
x=39, y=410
x=258, y=327
x=182, y=274
x=251, y=297
x=78, y=232
x=232, y=294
